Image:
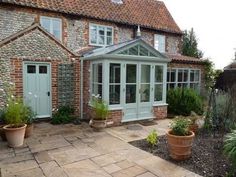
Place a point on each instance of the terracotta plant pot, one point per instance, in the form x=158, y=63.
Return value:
x=2, y=133
x=15, y=136
x=97, y=124
x=193, y=128
x=180, y=147
x=29, y=130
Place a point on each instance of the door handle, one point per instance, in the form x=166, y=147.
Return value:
x=48, y=93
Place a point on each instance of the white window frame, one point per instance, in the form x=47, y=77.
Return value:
x=91, y=79
x=51, y=26
x=163, y=101
x=105, y=35
x=188, y=82
x=114, y=84
x=161, y=48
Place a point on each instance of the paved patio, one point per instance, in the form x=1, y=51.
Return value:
x=78, y=151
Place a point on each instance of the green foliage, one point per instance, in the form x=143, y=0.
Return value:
x=15, y=112
x=183, y=101
x=63, y=115
x=210, y=74
x=30, y=115
x=100, y=108
x=190, y=45
x=230, y=148
x=180, y=127
x=2, y=116
x=152, y=138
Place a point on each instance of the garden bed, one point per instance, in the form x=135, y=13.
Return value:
x=207, y=158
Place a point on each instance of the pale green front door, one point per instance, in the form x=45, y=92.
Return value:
x=138, y=91
x=37, y=88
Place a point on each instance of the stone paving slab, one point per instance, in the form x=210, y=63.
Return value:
x=77, y=151
x=14, y=168
x=85, y=168
x=130, y=172
x=35, y=172
x=52, y=169
x=127, y=135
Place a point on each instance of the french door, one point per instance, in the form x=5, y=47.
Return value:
x=138, y=92
x=37, y=88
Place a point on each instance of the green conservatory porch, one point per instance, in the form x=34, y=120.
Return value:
x=131, y=78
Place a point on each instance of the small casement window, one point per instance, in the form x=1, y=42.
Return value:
x=52, y=25
x=31, y=69
x=100, y=35
x=114, y=84
x=97, y=79
x=160, y=43
x=158, y=85
x=42, y=69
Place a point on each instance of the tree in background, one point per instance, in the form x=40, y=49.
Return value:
x=190, y=45
x=211, y=74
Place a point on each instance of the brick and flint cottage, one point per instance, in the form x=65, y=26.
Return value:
x=63, y=52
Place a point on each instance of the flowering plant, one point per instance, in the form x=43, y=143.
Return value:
x=15, y=111
x=100, y=107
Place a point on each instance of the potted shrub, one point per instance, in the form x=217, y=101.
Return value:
x=2, y=124
x=30, y=115
x=100, y=108
x=180, y=139
x=14, y=117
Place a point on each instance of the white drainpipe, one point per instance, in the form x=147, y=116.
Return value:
x=81, y=88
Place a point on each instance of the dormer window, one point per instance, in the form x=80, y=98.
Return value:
x=160, y=43
x=100, y=35
x=52, y=25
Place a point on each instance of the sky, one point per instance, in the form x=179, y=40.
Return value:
x=214, y=22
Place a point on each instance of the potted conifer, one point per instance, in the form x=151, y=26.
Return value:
x=100, y=108
x=180, y=139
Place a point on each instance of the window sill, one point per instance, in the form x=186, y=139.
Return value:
x=115, y=108
x=160, y=104
x=109, y=108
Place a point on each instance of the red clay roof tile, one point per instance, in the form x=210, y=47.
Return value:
x=184, y=59
x=151, y=14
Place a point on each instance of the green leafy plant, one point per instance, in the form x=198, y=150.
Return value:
x=2, y=116
x=152, y=138
x=100, y=108
x=15, y=112
x=180, y=127
x=230, y=150
x=29, y=115
x=182, y=101
x=63, y=115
